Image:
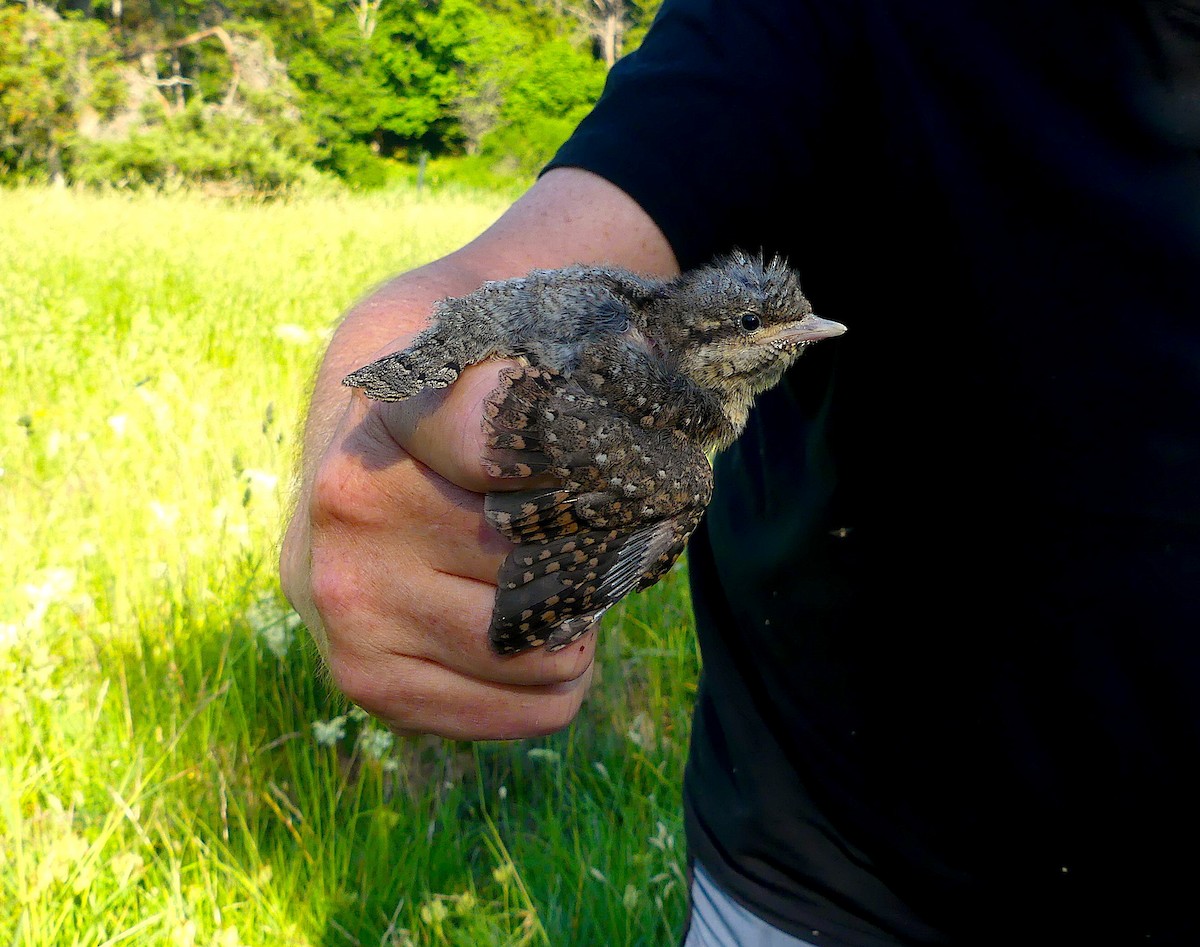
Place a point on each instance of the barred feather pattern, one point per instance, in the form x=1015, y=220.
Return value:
x=633, y=489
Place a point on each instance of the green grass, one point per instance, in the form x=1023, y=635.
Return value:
x=161, y=777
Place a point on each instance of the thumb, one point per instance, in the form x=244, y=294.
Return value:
x=443, y=429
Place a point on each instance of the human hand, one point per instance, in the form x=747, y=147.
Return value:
x=392, y=565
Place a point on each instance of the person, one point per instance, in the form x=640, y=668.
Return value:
x=948, y=588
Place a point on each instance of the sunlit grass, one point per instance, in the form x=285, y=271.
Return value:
x=172, y=768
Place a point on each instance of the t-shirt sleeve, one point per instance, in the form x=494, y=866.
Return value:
x=724, y=105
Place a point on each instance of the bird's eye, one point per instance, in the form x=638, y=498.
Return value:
x=751, y=322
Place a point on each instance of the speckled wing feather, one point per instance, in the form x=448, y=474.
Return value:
x=630, y=497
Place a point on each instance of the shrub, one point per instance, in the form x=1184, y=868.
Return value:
x=200, y=145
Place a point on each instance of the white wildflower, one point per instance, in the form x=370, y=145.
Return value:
x=229, y=937
x=641, y=732
x=277, y=639
x=125, y=865
x=329, y=732
x=260, y=479
x=276, y=625
x=290, y=332
x=376, y=742
x=56, y=584
x=662, y=839
x=433, y=912
x=166, y=515
x=184, y=934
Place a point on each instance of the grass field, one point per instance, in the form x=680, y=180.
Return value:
x=172, y=768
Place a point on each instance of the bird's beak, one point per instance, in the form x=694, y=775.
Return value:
x=809, y=329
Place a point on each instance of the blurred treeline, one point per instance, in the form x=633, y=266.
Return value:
x=266, y=95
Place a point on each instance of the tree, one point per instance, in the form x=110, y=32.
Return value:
x=605, y=24
x=358, y=81
x=611, y=24
x=52, y=70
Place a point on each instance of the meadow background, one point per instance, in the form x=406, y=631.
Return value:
x=173, y=768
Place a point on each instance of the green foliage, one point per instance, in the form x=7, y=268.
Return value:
x=365, y=83
x=438, y=77
x=640, y=15
x=198, y=146
x=522, y=149
x=558, y=80
x=542, y=107
x=471, y=173
x=52, y=72
x=358, y=165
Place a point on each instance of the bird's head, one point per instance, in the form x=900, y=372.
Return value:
x=735, y=327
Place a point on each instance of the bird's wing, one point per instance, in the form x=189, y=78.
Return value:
x=551, y=592
x=630, y=498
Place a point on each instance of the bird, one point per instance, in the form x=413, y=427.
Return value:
x=622, y=388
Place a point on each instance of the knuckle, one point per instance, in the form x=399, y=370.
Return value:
x=293, y=570
x=334, y=591
x=340, y=494
x=355, y=679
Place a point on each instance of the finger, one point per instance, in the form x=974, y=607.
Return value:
x=444, y=430
x=392, y=610
x=376, y=484
x=414, y=697
x=404, y=564
x=445, y=526
x=455, y=620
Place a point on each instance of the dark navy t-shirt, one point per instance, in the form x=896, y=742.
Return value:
x=948, y=590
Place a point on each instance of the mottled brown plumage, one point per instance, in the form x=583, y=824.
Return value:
x=623, y=385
